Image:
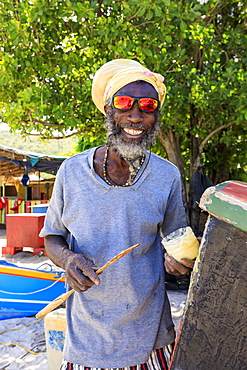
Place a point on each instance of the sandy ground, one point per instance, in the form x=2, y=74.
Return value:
x=16, y=338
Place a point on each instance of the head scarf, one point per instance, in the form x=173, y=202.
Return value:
x=117, y=73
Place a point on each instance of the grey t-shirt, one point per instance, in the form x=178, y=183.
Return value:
x=119, y=322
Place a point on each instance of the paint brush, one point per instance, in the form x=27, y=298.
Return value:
x=63, y=297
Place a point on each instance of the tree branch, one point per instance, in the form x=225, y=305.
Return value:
x=54, y=137
x=204, y=141
x=42, y=123
x=142, y=24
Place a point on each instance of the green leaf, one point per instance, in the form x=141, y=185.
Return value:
x=157, y=11
x=183, y=26
x=166, y=2
x=141, y=11
x=149, y=14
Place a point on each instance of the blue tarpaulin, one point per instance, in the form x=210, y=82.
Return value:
x=13, y=162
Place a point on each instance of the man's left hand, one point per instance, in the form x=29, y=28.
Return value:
x=176, y=268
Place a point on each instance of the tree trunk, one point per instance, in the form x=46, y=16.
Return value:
x=220, y=171
x=195, y=148
x=195, y=162
x=170, y=141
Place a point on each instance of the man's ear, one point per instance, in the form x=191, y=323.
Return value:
x=107, y=108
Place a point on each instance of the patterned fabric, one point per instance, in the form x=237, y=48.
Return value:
x=159, y=359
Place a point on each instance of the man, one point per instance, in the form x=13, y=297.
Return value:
x=109, y=198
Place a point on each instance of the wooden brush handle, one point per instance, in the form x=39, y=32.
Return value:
x=63, y=297
x=54, y=304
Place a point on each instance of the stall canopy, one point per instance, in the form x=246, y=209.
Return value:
x=16, y=162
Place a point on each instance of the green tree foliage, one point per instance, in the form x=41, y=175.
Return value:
x=62, y=147
x=50, y=51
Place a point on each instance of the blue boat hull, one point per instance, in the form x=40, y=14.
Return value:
x=24, y=292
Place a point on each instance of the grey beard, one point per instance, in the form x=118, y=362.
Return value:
x=130, y=152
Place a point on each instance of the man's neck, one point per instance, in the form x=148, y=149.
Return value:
x=115, y=170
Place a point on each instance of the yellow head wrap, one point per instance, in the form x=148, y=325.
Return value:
x=117, y=73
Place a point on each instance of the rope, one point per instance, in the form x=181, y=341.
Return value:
x=20, y=345
x=44, y=264
x=25, y=326
x=17, y=344
x=37, y=291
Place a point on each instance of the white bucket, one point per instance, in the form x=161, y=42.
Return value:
x=55, y=327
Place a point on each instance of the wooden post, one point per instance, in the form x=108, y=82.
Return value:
x=213, y=330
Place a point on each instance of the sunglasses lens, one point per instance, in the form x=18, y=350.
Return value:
x=122, y=102
x=125, y=102
x=148, y=104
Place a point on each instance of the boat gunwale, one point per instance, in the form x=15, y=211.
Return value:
x=31, y=273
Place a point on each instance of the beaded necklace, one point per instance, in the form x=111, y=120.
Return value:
x=106, y=177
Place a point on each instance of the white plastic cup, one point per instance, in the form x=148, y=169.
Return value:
x=181, y=243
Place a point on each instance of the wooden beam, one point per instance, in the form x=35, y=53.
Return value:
x=213, y=330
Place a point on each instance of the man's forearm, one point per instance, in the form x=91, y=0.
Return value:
x=57, y=250
x=79, y=272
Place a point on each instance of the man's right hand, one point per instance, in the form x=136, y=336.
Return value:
x=79, y=271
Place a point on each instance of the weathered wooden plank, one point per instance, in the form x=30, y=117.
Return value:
x=213, y=331
x=227, y=201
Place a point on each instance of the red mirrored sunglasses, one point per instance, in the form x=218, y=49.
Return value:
x=126, y=102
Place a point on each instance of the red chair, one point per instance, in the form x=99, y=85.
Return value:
x=3, y=202
x=17, y=204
